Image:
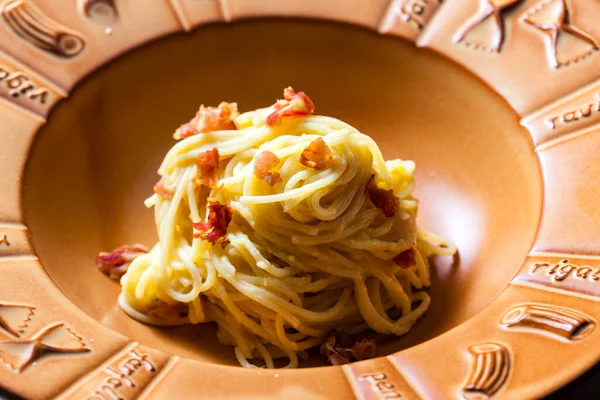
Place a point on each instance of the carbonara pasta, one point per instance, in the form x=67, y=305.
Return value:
x=281, y=226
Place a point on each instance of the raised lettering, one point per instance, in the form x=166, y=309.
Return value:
x=18, y=84
x=564, y=271
x=42, y=94
x=583, y=272
x=588, y=112
x=121, y=377
x=538, y=265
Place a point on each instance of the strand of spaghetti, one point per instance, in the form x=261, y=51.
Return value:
x=305, y=253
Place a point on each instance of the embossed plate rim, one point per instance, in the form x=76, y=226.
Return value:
x=502, y=349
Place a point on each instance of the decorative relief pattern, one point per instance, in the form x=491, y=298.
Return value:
x=572, y=116
x=553, y=19
x=125, y=376
x=413, y=13
x=28, y=22
x=99, y=11
x=378, y=380
x=19, y=353
x=490, y=370
x=14, y=319
x=18, y=84
x=568, y=115
x=553, y=320
x=381, y=385
x=576, y=275
x=489, y=10
x=565, y=270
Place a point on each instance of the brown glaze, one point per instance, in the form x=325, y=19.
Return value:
x=560, y=322
x=84, y=186
x=125, y=375
x=530, y=352
x=30, y=24
x=14, y=319
x=110, y=210
x=372, y=380
x=100, y=11
x=518, y=46
x=193, y=13
x=14, y=241
x=490, y=369
x=572, y=189
x=18, y=128
x=137, y=23
x=570, y=115
x=25, y=88
x=364, y=13
x=564, y=272
x=408, y=18
x=55, y=344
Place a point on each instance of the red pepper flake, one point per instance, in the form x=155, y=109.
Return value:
x=208, y=166
x=115, y=263
x=264, y=163
x=163, y=190
x=381, y=198
x=293, y=105
x=341, y=348
x=317, y=155
x=406, y=259
x=168, y=312
x=209, y=119
x=219, y=217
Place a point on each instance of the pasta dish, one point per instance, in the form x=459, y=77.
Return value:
x=288, y=230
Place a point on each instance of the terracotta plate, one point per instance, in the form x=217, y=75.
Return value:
x=498, y=102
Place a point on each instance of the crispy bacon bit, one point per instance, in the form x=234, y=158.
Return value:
x=381, y=198
x=406, y=259
x=209, y=119
x=293, y=105
x=219, y=217
x=163, y=190
x=186, y=130
x=341, y=348
x=317, y=155
x=264, y=163
x=168, y=312
x=115, y=263
x=208, y=166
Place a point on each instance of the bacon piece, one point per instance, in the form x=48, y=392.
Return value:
x=163, y=190
x=168, y=312
x=381, y=198
x=406, y=259
x=219, y=217
x=186, y=130
x=317, y=155
x=115, y=263
x=209, y=119
x=293, y=105
x=208, y=166
x=341, y=348
x=264, y=163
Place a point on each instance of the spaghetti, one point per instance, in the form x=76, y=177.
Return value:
x=281, y=227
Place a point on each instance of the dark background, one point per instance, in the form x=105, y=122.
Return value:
x=585, y=387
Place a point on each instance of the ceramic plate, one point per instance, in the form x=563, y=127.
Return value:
x=498, y=102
